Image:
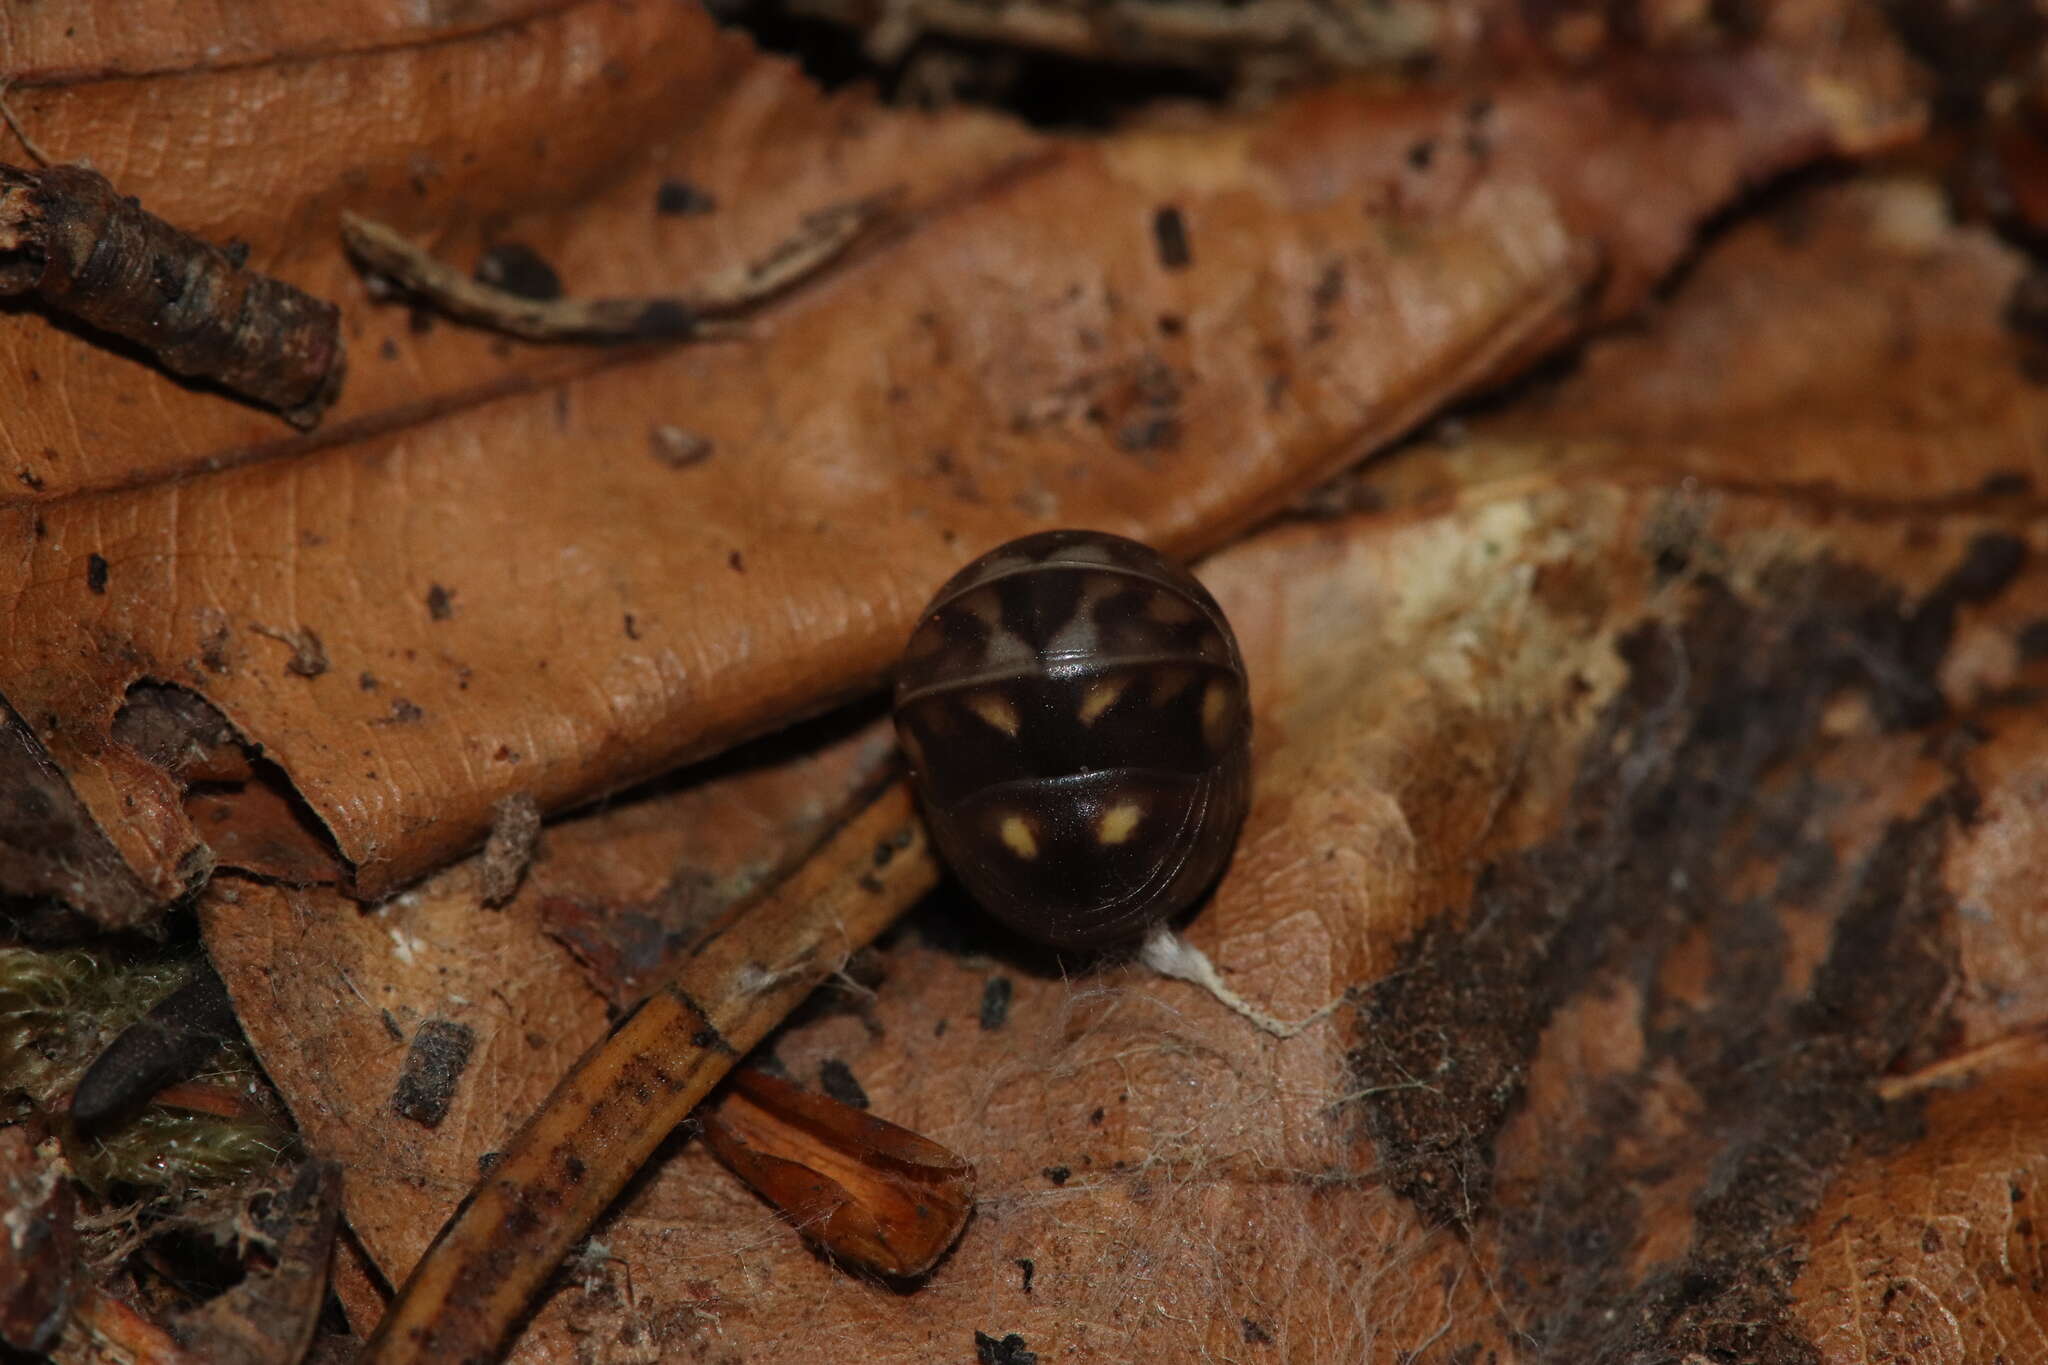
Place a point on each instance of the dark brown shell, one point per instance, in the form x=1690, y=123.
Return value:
x=1074, y=710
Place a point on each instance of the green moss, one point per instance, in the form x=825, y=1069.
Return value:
x=59, y=1009
x=172, y=1148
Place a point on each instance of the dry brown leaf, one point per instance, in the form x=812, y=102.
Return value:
x=1673, y=817
x=1169, y=331
x=332, y=995
x=1929, y=1251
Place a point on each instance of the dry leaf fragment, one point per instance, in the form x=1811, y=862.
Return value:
x=105, y=1330
x=69, y=238
x=39, y=1251
x=269, y=1317
x=865, y=1190
x=1432, y=682
x=1021, y=351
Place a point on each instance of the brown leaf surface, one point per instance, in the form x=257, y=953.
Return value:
x=337, y=993
x=1930, y=1252
x=471, y=542
x=1670, y=799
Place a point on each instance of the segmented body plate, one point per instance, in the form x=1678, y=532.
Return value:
x=1074, y=711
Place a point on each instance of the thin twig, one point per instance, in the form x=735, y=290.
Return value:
x=608, y=1115
x=821, y=239
x=73, y=241
x=28, y=143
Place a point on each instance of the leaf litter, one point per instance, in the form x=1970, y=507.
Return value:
x=1496, y=668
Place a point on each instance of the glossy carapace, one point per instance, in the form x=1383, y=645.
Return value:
x=1073, y=707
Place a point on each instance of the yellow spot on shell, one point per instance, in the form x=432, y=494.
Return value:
x=1084, y=552
x=1168, y=683
x=984, y=606
x=1118, y=821
x=1017, y=836
x=995, y=708
x=1219, y=709
x=1102, y=695
x=1169, y=608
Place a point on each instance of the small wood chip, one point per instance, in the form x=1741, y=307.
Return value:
x=515, y=837
x=866, y=1191
x=38, y=1247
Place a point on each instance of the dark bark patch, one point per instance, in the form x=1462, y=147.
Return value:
x=1008, y=1350
x=518, y=269
x=680, y=198
x=1170, y=236
x=433, y=1064
x=995, y=1002
x=836, y=1079
x=1710, y=762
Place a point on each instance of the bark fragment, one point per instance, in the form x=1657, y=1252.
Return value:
x=71, y=240
x=515, y=837
x=433, y=1066
x=864, y=1190
x=39, y=1248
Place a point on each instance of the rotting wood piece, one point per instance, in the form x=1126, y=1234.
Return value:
x=817, y=242
x=867, y=1191
x=268, y=1319
x=50, y=846
x=739, y=980
x=74, y=242
x=39, y=1246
